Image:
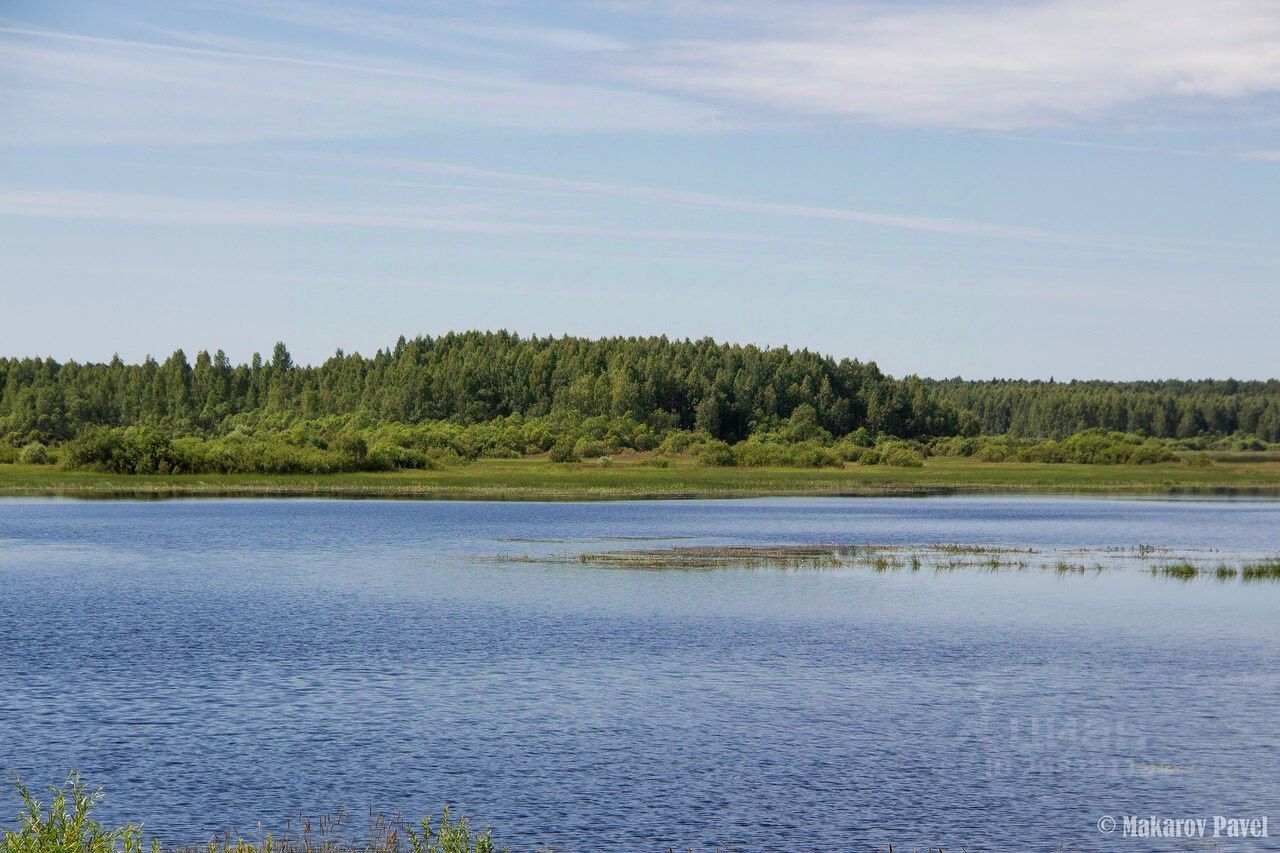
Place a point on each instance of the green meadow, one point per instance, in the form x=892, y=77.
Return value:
x=642, y=476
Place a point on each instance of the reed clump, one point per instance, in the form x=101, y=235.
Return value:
x=1268, y=570
x=940, y=558
x=1182, y=571
x=67, y=825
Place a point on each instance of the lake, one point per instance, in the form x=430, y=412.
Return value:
x=218, y=664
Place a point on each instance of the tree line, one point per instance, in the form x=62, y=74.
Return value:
x=1181, y=409
x=728, y=392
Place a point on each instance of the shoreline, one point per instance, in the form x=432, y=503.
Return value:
x=611, y=496
x=636, y=479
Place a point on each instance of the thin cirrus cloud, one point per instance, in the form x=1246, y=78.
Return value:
x=729, y=204
x=695, y=67
x=412, y=26
x=459, y=219
x=982, y=65
x=75, y=88
x=924, y=224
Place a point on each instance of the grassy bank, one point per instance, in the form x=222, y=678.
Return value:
x=636, y=477
x=64, y=823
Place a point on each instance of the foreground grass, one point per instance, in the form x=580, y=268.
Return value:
x=635, y=477
x=67, y=825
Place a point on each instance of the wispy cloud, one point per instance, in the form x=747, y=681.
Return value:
x=71, y=88
x=1031, y=63
x=183, y=211
x=710, y=201
x=438, y=27
x=501, y=186
x=341, y=70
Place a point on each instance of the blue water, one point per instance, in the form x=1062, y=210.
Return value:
x=221, y=664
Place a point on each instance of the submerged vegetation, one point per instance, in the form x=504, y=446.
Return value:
x=434, y=403
x=1260, y=570
x=1181, y=570
x=67, y=825
x=943, y=557
x=1263, y=570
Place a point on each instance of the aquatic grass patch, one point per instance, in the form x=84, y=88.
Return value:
x=1266, y=570
x=712, y=557
x=66, y=825
x=1177, y=564
x=1162, y=767
x=1185, y=570
x=944, y=557
x=881, y=558
x=1182, y=570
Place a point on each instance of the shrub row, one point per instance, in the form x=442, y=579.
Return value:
x=1091, y=447
x=278, y=444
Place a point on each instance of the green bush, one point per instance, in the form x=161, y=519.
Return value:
x=998, y=449
x=67, y=826
x=352, y=445
x=35, y=453
x=1100, y=447
x=589, y=448
x=277, y=443
x=1151, y=452
x=957, y=445
x=678, y=441
x=811, y=454
x=643, y=439
x=562, y=451
x=861, y=437
x=847, y=451
x=888, y=444
x=716, y=453
x=136, y=450
x=902, y=457
x=756, y=452
x=1238, y=441
x=803, y=426
x=1090, y=447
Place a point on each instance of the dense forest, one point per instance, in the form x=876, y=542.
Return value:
x=466, y=394
x=1164, y=409
x=474, y=377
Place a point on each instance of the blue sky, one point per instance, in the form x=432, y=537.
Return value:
x=1075, y=188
